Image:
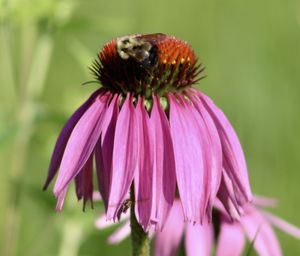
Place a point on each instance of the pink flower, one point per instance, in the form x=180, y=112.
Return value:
x=256, y=224
x=198, y=239
x=149, y=127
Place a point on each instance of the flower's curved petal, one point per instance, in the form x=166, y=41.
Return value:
x=214, y=146
x=191, y=158
x=64, y=137
x=282, y=224
x=168, y=240
x=61, y=199
x=164, y=176
x=231, y=241
x=104, y=149
x=102, y=222
x=199, y=239
x=125, y=153
x=84, y=182
x=96, y=196
x=218, y=205
x=227, y=197
x=81, y=143
x=144, y=173
x=264, y=201
x=260, y=233
x=233, y=156
x=120, y=234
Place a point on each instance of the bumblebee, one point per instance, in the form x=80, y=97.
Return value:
x=142, y=49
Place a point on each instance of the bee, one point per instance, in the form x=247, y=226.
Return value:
x=142, y=49
x=126, y=205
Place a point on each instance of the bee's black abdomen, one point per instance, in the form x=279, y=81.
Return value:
x=153, y=57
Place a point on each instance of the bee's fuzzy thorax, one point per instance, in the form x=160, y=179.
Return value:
x=146, y=65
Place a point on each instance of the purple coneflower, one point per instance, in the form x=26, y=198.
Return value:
x=148, y=128
x=255, y=223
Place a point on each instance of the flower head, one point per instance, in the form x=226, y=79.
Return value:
x=147, y=65
x=149, y=128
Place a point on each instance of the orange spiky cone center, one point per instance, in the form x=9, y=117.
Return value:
x=147, y=65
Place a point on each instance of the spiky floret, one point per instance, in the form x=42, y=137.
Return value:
x=147, y=64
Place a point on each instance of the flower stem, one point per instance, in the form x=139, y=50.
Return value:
x=139, y=238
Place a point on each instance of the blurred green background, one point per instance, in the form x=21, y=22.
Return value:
x=252, y=53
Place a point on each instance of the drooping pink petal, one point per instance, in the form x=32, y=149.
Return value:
x=199, y=239
x=260, y=233
x=64, y=137
x=96, y=196
x=125, y=153
x=78, y=186
x=233, y=156
x=214, y=146
x=282, y=224
x=207, y=157
x=227, y=197
x=84, y=182
x=61, y=199
x=102, y=222
x=168, y=240
x=164, y=176
x=104, y=149
x=218, y=205
x=81, y=143
x=120, y=234
x=191, y=158
x=264, y=201
x=231, y=241
x=144, y=173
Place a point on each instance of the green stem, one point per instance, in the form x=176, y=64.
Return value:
x=139, y=238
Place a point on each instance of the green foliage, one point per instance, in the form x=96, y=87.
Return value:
x=251, y=51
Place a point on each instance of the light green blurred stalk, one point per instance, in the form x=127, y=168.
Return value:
x=36, y=48
x=8, y=98
x=71, y=237
x=34, y=63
